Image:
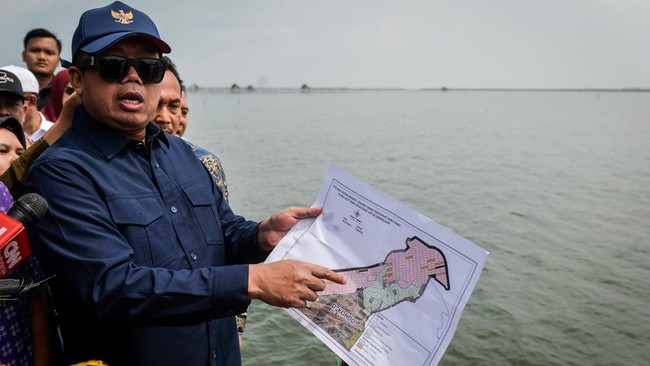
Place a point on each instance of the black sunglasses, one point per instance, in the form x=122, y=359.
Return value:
x=115, y=68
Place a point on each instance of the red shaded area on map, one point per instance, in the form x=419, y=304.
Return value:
x=407, y=267
x=342, y=310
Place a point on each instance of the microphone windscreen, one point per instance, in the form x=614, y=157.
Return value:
x=28, y=209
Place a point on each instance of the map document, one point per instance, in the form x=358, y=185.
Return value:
x=408, y=278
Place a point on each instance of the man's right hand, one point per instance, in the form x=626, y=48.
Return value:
x=289, y=282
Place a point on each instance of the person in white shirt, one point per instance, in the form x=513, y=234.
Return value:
x=35, y=124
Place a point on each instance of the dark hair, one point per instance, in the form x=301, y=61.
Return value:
x=41, y=33
x=76, y=61
x=171, y=66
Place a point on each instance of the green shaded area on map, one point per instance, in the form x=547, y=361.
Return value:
x=342, y=310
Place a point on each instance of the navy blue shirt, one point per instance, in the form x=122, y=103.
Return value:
x=148, y=255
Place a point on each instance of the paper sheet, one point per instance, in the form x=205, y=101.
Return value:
x=409, y=278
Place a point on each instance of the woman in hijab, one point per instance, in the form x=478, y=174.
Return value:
x=61, y=90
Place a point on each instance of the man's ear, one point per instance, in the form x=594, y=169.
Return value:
x=76, y=79
x=30, y=100
x=23, y=54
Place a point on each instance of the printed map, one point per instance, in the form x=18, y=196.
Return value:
x=342, y=310
x=408, y=278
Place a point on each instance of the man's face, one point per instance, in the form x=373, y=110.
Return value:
x=185, y=109
x=31, y=109
x=126, y=105
x=41, y=56
x=168, y=112
x=12, y=105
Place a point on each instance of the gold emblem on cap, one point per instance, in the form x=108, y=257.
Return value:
x=121, y=17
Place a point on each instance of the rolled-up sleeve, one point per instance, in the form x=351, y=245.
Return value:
x=16, y=175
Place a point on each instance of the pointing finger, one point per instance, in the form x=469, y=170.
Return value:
x=328, y=274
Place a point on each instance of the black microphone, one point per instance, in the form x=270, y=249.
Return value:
x=14, y=288
x=14, y=245
x=28, y=209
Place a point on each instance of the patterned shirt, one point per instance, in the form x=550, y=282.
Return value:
x=15, y=335
x=213, y=164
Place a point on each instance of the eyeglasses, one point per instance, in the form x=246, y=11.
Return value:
x=115, y=68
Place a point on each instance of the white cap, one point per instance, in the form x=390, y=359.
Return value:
x=27, y=79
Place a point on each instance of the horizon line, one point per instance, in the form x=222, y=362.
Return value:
x=306, y=88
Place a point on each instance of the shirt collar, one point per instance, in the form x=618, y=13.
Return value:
x=43, y=118
x=106, y=139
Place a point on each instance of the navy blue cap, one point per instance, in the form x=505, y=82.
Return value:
x=100, y=28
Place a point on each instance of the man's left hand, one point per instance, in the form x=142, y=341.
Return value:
x=273, y=229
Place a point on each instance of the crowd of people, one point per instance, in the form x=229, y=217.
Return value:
x=151, y=265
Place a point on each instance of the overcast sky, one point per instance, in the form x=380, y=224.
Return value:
x=380, y=43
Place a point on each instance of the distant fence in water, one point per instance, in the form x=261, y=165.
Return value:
x=306, y=90
x=290, y=90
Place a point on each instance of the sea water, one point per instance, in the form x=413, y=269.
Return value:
x=555, y=185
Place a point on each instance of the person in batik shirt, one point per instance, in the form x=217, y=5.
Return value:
x=25, y=336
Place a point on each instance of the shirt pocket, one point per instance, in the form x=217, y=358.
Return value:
x=141, y=222
x=204, y=208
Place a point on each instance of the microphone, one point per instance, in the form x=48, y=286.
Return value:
x=14, y=288
x=14, y=245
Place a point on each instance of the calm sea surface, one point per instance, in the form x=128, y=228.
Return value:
x=555, y=185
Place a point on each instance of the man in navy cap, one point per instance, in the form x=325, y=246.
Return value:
x=151, y=262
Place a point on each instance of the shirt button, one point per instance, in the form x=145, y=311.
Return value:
x=155, y=165
x=174, y=209
x=214, y=354
x=193, y=256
